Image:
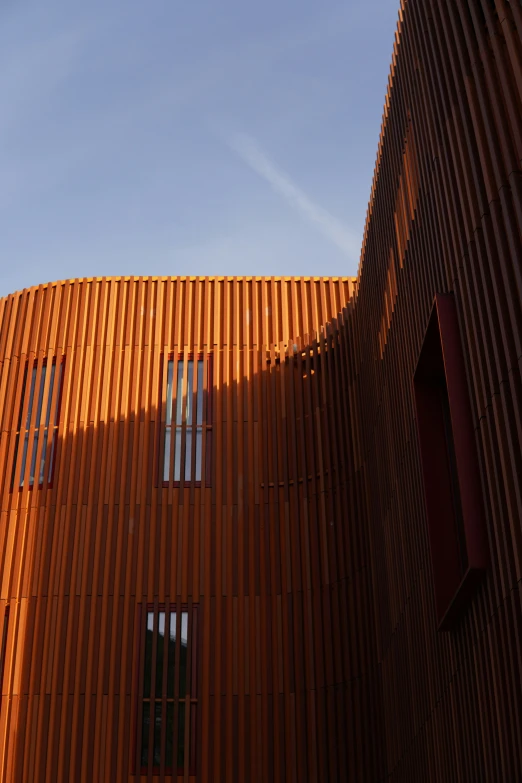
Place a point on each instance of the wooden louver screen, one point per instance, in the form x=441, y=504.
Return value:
x=3, y=648
x=187, y=441
x=168, y=704
x=37, y=425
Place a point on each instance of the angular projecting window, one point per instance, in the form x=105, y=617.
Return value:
x=187, y=442
x=37, y=430
x=452, y=486
x=167, y=712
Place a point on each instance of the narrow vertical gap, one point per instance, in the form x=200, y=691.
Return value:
x=208, y=426
x=199, y=421
x=179, y=418
x=149, y=686
x=176, y=693
x=169, y=760
x=147, y=689
x=18, y=427
x=158, y=688
x=56, y=422
x=37, y=423
x=168, y=421
x=193, y=691
x=3, y=651
x=182, y=691
x=164, y=703
x=189, y=419
x=27, y=423
x=46, y=425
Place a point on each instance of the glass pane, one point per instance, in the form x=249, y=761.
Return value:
x=33, y=458
x=57, y=409
x=24, y=383
x=51, y=458
x=179, y=390
x=145, y=734
x=148, y=654
x=183, y=656
x=172, y=656
x=177, y=456
x=181, y=736
x=24, y=458
x=50, y=397
x=169, y=739
x=159, y=653
x=40, y=396
x=199, y=414
x=157, y=734
x=170, y=371
x=188, y=454
x=42, y=460
x=166, y=456
x=31, y=397
x=190, y=389
x=199, y=452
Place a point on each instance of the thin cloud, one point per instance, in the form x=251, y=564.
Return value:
x=248, y=150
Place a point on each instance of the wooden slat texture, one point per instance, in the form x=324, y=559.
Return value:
x=255, y=548
x=305, y=548
x=444, y=215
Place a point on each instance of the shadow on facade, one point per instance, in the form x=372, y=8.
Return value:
x=273, y=552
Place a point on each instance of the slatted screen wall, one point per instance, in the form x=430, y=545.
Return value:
x=306, y=553
x=452, y=130
x=261, y=550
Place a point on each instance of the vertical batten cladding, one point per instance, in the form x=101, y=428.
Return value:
x=264, y=548
x=307, y=550
x=451, y=702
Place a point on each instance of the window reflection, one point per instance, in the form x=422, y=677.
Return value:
x=186, y=422
x=168, y=700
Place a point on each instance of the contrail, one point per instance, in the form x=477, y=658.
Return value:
x=247, y=148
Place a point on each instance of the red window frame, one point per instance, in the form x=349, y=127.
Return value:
x=207, y=426
x=21, y=431
x=191, y=698
x=452, y=486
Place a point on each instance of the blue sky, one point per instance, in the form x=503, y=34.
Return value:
x=201, y=137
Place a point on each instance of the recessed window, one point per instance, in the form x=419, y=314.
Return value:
x=187, y=441
x=167, y=716
x=37, y=427
x=454, y=505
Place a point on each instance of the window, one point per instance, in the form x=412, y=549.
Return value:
x=449, y=464
x=167, y=714
x=3, y=649
x=187, y=443
x=41, y=417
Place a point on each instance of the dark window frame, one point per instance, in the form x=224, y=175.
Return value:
x=185, y=429
x=451, y=476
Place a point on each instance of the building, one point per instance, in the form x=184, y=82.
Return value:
x=270, y=529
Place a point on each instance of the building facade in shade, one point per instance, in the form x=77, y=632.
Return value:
x=270, y=529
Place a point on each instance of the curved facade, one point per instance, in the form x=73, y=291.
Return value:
x=114, y=524
x=270, y=529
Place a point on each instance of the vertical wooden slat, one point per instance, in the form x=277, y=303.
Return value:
x=303, y=556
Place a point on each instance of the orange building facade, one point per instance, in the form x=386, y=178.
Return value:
x=270, y=529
